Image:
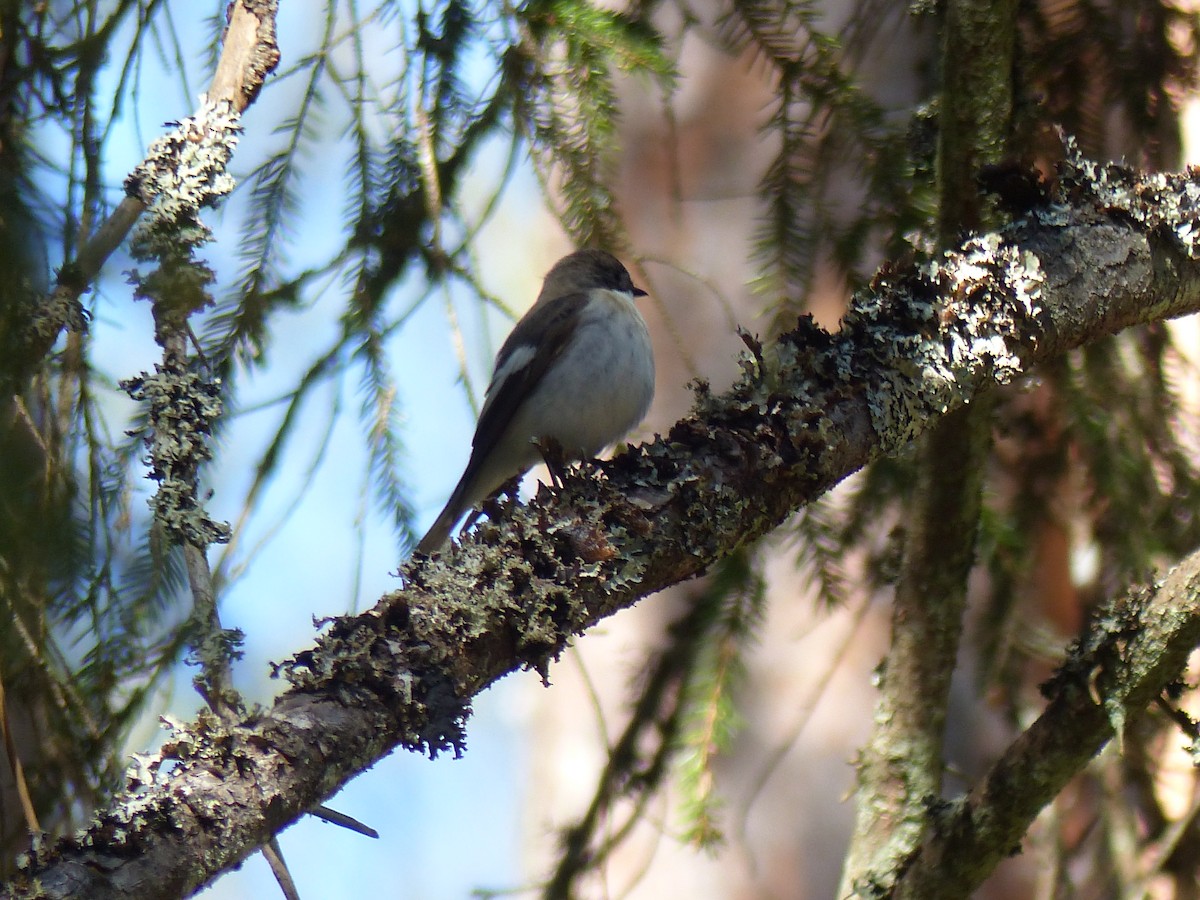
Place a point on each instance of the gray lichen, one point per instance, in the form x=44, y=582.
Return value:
x=927, y=342
x=183, y=407
x=183, y=172
x=1167, y=202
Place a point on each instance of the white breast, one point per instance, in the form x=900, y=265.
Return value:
x=602, y=385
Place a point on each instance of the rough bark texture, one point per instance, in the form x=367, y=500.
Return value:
x=1110, y=252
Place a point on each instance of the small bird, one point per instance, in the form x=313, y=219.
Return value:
x=576, y=374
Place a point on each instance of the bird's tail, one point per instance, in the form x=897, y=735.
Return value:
x=462, y=498
x=437, y=535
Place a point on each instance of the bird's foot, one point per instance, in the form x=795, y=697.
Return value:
x=493, y=506
x=555, y=458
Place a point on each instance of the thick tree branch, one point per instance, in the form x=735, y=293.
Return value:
x=1111, y=252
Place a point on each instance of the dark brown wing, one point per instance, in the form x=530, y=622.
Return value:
x=544, y=331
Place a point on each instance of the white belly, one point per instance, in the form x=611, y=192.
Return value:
x=597, y=391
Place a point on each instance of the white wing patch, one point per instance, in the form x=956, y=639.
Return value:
x=517, y=360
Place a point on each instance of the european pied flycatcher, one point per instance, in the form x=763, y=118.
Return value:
x=577, y=371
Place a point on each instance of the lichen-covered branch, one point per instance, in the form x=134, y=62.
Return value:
x=1134, y=647
x=1109, y=251
x=248, y=54
x=184, y=172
